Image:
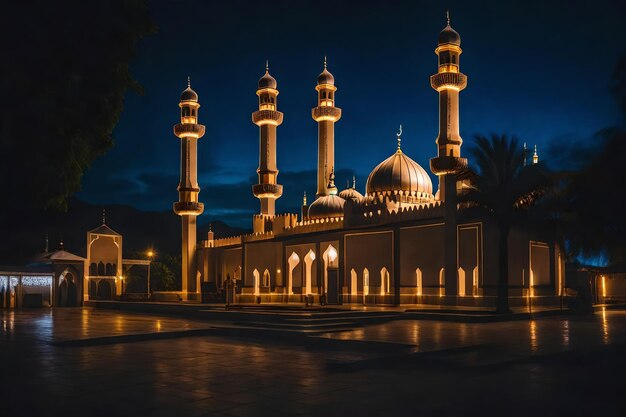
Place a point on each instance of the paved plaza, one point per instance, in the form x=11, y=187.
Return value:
x=83, y=361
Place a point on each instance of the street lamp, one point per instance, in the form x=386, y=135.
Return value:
x=150, y=255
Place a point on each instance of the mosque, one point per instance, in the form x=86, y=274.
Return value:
x=399, y=243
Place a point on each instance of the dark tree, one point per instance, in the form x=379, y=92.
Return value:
x=505, y=188
x=64, y=76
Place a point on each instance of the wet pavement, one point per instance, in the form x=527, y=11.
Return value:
x=550, y=366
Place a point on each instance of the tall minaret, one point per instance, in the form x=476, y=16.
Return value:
x=448, y=82
x=325, y=114
x=267, y=118
x=188, y=207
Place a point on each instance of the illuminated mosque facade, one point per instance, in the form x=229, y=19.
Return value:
x=399, y=243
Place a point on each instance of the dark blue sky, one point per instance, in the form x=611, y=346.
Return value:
x=536, y=70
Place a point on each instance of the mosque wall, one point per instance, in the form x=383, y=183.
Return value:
x=422, y=247
x=262, y=263
x=367, y=253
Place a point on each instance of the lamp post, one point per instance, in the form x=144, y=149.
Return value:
x=150, y=256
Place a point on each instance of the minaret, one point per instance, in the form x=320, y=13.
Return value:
x=448, y=82
x=535, y=156
x=305, y=208
x=325, y=114
x=188, y=207
x=267, y=118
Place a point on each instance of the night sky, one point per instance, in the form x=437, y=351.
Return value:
x=538, y=71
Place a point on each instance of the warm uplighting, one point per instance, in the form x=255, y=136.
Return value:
x=150, y=253
x=603, y=286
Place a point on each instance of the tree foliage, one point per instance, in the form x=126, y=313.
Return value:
x=506, y=189
x=63, y=81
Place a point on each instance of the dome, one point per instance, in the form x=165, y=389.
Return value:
x=449, y=35
x=325, y=78
x=399, y=173
x=351, y=194
x=267, y=81
x=189, y=95
x=326, y=206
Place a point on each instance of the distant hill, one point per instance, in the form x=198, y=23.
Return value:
x=141, y=230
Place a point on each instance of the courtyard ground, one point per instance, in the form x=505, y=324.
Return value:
x=83, y=361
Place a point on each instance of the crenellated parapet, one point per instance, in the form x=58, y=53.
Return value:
x=384, y=209
x=317, y=225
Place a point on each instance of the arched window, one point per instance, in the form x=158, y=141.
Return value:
x=475, y=282
x=353, y=282
x=461, y=289
x=418, y=281
x=308, y=263
x=266, y=278
x=257, y=283
x=442, y=281
x=293, y=262
x=366, y=281
x=384, y=281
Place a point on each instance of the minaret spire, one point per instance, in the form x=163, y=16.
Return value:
x=104, y=216
x=448, y=17
x=188, y=207
x=267, y=65
x=535, y=156
x=399, y=138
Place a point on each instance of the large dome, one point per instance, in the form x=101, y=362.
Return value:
x=399, y=173
x=326, y=206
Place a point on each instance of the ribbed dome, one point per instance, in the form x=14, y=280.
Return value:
x=326, y=206
x=325, y=78
x=351, y=194
x=449, y=35
x=189, y=95
x=267, y=81
x=399, y=173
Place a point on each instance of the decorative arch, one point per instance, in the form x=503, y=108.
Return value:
x=308, y=263
x=292, y=263
x=384, y=281
x=353, y=282
x=257, y=282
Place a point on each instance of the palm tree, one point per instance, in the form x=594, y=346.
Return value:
x=505, y=188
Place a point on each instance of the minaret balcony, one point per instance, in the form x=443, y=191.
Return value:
x=267, y=117
x=448, y=79
x=184, y=130
x=326, y=113
x=267, y=190
x=188, y=208
x=443, y=165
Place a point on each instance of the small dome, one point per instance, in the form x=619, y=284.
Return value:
x=325, y=78
x=399, y=173
x=351, y=194
x=189, y=95
x=267, y=81
x=326, y=206
x=449, y=35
